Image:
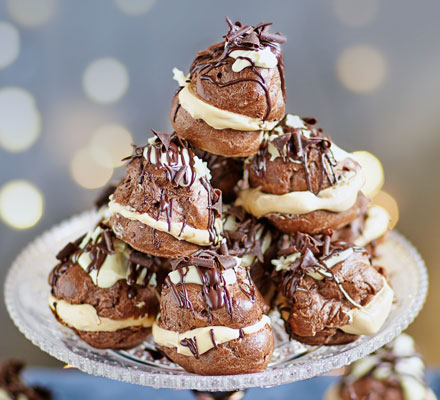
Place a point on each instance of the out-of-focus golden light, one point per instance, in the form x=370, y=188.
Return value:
x=20, y=121
x=388, y=202
x=110, y=144
x=135, y=7
x=355, y=13
x=361, y=68
x=31, y=13
x=87, y=172
x=21, y=204
x=9, y=44
x=105, y=80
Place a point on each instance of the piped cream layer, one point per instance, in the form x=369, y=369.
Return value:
x=221, y=334
x=84, y=317
x=213, y=116
x=369, y=319
x=376, y=225
x=177, y=229
x=337, y=198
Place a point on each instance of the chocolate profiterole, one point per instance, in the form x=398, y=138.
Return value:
x=104, y=290
x=12, y=387
x=166, y=206
x=301, y=181
x=233, y=92
x=329, y=293
x=225, y=173
x=394, y=372
x=212, y=318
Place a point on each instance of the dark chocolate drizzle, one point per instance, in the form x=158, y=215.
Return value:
x=191, y=343
x=179, y=171
x=98, y=250
x=314, y=251
x=294, y=146
x=209, y=265
x=241, y=37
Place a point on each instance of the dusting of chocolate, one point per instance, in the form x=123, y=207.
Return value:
x=241, y=37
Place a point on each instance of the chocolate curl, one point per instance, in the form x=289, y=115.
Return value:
x=65, y=253
x=164, y=138
x=141, y=259
x=226, y=261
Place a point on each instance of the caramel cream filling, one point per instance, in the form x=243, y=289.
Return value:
x=204, y=336
x=337, y=198
x=213, y=116
x=369, y=319
x=177, y=229
x=376, y=225
x=190, y=275
x=84, y=317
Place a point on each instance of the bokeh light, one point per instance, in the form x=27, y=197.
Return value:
x=110, y=144
x=31, y=13
x=355, y=13
x=135, y=7
x=21, y=204
x=20, y=120
x=9, y=44
x=361, y=68
x=87, y=172
x=105, y=80
x=388, y=202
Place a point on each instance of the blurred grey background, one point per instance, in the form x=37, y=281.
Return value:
x=79, y=81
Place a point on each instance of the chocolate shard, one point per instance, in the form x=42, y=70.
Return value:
x=142, y=259
x=281, y=141
x=227, y=261
x=65, y=253
x=164, y=138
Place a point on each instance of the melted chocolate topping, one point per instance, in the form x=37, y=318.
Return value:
x=179, y=168
x=241, y=37
x=209, y=265
x=191, y=343
x=314, y=251
x=294, y=146
x=98, y=251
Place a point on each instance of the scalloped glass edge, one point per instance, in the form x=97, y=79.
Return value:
x=271, y=377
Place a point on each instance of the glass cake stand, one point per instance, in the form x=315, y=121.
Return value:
x=27, y=290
